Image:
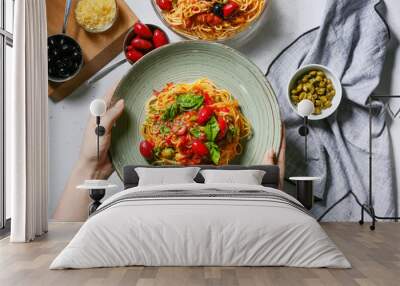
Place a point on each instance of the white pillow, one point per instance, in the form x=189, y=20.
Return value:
x=248, y=177
x=166, y=176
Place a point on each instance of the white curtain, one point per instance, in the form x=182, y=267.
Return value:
x=26, y=123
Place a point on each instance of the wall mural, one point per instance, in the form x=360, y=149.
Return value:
x=201, y=102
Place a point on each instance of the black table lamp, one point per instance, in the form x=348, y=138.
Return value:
x=97, y=188
x=97, y=108
x=305, y=108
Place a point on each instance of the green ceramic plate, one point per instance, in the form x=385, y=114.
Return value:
x=186, y=62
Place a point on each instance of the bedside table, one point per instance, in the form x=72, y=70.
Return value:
x=97, y=190
x=304, y=190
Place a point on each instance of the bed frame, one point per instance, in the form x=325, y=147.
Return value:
x=270, y=179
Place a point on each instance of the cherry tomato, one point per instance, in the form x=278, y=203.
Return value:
x=213, y=20
x=165, y=5
x=223, y=128
x=229, y=8
x=134, y=55
x=188, y=22
x=207, y=99
x=141, y=44
x=142, y=30
x=201, y=18
x=128, y=48
x=160, y=38
x=204, y=115
x=146, y=149
x=199, y=148
x=182, y=141
x=187, y=152
x=209, y=18
x=224, y=109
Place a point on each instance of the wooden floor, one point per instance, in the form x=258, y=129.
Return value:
x=375, y=257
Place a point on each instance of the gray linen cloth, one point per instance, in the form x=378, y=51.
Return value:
x=352, y=41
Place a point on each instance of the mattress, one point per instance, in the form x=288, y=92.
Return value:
x=201, y=225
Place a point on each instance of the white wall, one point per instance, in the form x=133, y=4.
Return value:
x=285, y=20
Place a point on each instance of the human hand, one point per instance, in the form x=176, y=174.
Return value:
x=271, y=158
x=102, y=168
x=73, y=204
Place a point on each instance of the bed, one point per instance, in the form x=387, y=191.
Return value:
x=198, y=224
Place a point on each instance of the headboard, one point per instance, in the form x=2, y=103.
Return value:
x=270, y=179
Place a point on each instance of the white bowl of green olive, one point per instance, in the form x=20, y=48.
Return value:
x=318, y=84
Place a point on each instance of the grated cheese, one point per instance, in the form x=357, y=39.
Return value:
x=95, y=15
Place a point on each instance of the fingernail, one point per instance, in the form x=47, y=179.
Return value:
x=120, y=102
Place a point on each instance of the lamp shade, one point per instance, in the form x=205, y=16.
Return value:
x=98, y=107
x=305, y=107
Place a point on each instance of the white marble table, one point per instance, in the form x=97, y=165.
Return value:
x=285, y=21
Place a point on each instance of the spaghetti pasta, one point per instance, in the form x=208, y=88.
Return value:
x=198, y=18
x=194, y=123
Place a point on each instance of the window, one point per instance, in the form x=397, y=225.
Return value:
x=6, y=44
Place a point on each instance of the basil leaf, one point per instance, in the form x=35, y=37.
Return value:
x=190, y=101
x=215, y=154
x=164, y=129
x=211, y=129
x=170, y=112
x=195, y=131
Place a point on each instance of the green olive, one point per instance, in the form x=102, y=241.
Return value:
x=321, y=91
x=294, y=98
x=305, y=79
x=167, y=153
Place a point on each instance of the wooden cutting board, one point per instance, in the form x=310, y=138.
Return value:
x=98, y=49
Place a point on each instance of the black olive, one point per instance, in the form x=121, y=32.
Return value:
x=217, y=10
x=64, y=57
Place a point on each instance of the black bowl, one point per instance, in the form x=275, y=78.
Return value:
x=65, y=58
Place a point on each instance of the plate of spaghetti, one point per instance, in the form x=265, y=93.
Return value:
x=193, y=123
x=211, y=20
x=191, y=103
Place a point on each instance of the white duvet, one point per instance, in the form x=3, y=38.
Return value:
x=203, y=231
